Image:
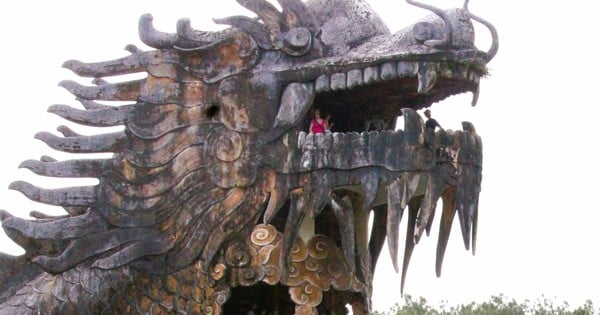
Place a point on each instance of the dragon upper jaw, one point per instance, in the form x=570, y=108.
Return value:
x=369, y=84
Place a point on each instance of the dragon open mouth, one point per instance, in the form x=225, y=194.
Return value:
x=366, y=164
x=371, y=98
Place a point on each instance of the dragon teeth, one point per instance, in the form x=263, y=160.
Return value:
x=323, y=83
x=426, y=73
x=371, y=75
x=406, y=69
x=388, y=71
x=295, y=102
x=338, y=81
x=427, y=77
x=354, y=78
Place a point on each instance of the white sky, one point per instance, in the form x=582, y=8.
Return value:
x=538, y=223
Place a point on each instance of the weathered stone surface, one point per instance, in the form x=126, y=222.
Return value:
x=214, y=186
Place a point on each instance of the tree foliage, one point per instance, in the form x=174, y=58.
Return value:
x=496, y=305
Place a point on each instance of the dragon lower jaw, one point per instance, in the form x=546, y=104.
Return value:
x=345, y=175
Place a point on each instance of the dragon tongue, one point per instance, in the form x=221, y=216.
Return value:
x=295, y=102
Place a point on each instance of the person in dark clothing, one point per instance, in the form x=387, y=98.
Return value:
x=431, y=123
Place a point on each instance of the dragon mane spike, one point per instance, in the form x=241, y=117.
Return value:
x=447, y=40
x=258, y=31
x=495, y=42
x=72, y=196
x=296, y=13
x=266, y=12
x=152, y=37
x=192, y=39
x=185, y=30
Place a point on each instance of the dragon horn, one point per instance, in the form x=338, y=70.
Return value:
x=495, y=43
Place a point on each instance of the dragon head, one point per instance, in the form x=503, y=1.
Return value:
x=214, y=140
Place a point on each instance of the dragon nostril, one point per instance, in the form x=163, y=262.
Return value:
x=211, y=111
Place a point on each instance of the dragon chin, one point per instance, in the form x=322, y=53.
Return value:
x=213, y=184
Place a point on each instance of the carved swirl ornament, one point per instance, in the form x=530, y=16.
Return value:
x=316, y=266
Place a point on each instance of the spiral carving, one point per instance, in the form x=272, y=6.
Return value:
x=263, y=235
x=336, y=269
x=250, y=276
x=218, y=271
x=316, y=266
x=228, y=146
x=238, y=255
x=272, y=275
x=306, y=294
x=299, y=251
x=320, y=246
x=220, y=297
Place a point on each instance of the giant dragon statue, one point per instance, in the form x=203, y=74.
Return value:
x=215, y=195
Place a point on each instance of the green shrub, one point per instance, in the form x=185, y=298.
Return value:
x=497, y=305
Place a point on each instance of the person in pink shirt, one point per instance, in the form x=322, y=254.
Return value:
x=318, y=124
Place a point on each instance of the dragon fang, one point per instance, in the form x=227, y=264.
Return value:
x=214, y=194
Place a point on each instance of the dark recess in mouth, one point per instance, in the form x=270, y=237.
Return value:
x=359, y=108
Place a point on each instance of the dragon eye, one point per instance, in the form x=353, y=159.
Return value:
x=297, y=41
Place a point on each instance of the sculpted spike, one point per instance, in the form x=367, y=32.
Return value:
x=266, y=12
x=73, y=168
x=91, y=105
x=436, y=183
x=295, y=103
x=378, y=233
x=67, y=132
x=468, y=183
x=278, y=195
x=133, y=49
x=153, y=38
x=60, y=229
x=106, y=117
x=257, y=30
x=344, y=213
x=138, y=249
x=185, y=30
x=74, y=196
x=370, y=187
x=427, y=76
x=297, y=14
x=409, y=246
x=109, y=92
x=410, y=184
x=491, y=53
x=395, y=210
x=475, y=98
x=448, y=212
x=295, y=216
x=190, y=39
x=323, y=184
x=131, y=64
x=81, y=249
x=83, y=144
